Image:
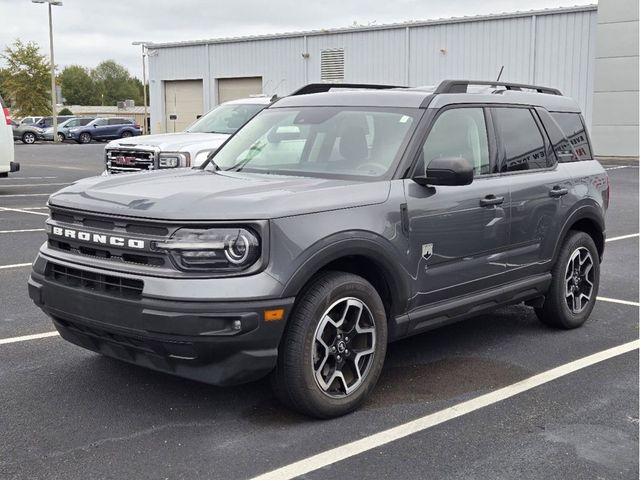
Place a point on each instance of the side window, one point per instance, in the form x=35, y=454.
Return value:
x=100, y=122
x=116, y=121
x=523, y=146
x=573, y=128
x=459, y=132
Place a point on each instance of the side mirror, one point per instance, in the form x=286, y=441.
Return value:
x=447, y=171
x=95, y=126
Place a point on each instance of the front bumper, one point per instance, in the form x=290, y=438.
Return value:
x=221, y=343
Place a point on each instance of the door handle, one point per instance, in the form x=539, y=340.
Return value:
x=558, y=191
x=491, y=200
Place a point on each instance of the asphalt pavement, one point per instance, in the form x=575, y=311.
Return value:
x=72, y=414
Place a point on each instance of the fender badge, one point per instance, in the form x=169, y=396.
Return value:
x=427, y=251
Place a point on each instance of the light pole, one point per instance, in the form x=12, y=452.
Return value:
x=144, y=83
x=54, y=113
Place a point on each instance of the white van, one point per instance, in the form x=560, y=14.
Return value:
x=7, y=165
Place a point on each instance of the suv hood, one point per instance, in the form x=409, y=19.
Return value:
x=188, y=194
x=174, y=142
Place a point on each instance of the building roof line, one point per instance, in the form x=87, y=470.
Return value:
x=389, y=26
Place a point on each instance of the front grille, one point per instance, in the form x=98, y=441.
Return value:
x=96, y=282
x=120, y=160
x=148, y=232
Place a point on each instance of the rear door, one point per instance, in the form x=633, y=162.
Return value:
x=538, y=187
x=459, y=234
x=100, y=128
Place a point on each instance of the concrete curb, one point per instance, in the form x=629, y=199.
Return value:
x=622, y=161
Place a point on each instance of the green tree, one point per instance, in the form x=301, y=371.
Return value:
x=26, y=82
x=114, y=83
x=78, y=88
x=65, y=111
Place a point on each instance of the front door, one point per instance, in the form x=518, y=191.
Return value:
x=458, y=234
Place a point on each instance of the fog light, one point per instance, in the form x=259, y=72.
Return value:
x=237, y=325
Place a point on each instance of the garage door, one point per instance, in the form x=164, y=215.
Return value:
x=234, y=88
x=183, y=103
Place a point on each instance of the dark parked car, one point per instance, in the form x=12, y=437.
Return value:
x=105, y=129
x=333, y=222
x=65, y=126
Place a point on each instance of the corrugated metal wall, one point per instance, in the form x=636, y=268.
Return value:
x=554, y=49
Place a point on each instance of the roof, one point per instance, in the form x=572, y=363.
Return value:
x=408, y=24
x=423, y=97
x=104, y=110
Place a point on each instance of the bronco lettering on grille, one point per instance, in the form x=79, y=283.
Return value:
x=98, y=238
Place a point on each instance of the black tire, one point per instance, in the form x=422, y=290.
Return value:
x=29, y=138
x=61, y=137
x=294, y=379
x=85, y=137
x=126, y=134
x=556, y=310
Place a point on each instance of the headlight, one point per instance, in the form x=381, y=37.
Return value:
x=174, y=160
x=213, y=250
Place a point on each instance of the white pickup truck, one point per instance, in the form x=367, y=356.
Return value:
x=7, y=165
x=185, y=149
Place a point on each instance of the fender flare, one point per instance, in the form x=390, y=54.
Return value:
x=375, y=248
x=587, y=210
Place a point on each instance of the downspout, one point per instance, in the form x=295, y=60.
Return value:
x=407, y=59
x=532, y=57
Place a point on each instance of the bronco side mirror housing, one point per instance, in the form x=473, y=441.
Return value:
x=447, y=171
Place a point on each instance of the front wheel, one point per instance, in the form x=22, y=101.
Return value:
x=85, y=138
x=574, y=285
x=29, y=138
x=61, y=137
x=333, y=350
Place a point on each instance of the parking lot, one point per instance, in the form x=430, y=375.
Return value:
x=69, y=413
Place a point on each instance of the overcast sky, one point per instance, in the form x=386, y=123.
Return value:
x=89, y=31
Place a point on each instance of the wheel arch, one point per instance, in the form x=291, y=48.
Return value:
x=370, y=258
x=586, y=218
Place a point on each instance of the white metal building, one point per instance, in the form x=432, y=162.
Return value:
x=554, y=47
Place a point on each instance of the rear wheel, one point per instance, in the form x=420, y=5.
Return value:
x=333, y=350
x=125, y=134
x=28, y=138
x=84, y=138
x=574, y=286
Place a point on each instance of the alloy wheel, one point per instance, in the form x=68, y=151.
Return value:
x=344, y=347
x=579, y=280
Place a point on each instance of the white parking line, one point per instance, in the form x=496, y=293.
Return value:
x=24, y=338
x=621, y=302
x=36, y=185
x=26, y=230
x=618, y=168
x=357, y=447
x=15, y=265
x=25, y=195
x=622, y=237
x=21, y=210
x=31, y=178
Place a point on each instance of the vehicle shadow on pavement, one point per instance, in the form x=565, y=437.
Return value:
x=443, y=364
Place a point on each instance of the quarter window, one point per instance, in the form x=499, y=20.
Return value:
x=523, y=146
x=459, y=132
x=573, y=128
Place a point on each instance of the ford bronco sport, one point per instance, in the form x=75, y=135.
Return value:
x=335, y=221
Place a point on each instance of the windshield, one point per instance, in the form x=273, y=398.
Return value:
x=225, y=118
x=319, y=141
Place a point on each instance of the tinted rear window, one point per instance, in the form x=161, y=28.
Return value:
x=522, y=142
x=573, y=128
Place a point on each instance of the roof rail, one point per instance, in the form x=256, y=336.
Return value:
x=325, y=87
x=460, y=86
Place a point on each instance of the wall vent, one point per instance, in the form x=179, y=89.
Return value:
x=332, y=65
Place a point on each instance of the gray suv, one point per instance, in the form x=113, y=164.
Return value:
x=337, y=220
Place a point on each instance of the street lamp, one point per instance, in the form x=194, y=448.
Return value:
x=144, y=83
x=54, y=113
